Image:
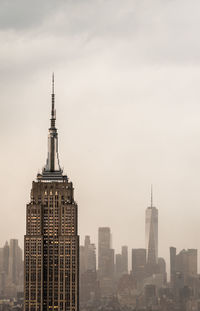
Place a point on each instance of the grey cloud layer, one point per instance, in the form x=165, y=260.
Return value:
x=22, y=14
x=153, y=30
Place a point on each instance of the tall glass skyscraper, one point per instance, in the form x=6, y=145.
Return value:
x=151, y=233
x=51, y=243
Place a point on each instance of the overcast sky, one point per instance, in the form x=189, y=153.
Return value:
x=127, y=77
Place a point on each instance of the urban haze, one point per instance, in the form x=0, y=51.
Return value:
x=127, y=111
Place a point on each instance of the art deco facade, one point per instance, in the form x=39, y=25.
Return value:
x=151, y=234
x=51, y=242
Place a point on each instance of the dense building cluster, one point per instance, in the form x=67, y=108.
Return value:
x=108, y=280
x=112, y=286
x=144, y=286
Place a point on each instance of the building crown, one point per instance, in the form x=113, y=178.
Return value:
x=52, y=170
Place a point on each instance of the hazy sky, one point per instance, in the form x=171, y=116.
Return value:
x=128, y=112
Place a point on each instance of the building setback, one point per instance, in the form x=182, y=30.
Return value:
x=51, y=243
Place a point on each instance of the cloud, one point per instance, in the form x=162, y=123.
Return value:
x=150, y=31
x=22, y=14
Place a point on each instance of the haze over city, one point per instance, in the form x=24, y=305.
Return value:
x=127, y=101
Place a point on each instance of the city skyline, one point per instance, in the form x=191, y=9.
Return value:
x=128, y=98
x=131, y=289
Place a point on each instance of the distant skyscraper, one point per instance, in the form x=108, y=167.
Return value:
x=105, y=256
x=183, y=270
x=11, y=269
x=82, y=265
x=172, y=265
x=91, y=257
x=88, y=275
x=125, y=259
x=87, y=256
x=6, y=258
x=118, y=266
x=121, y=262
x=151, y=233
x=51, y=243
x=139, y=266
x=15, y=261
x=104, y=243
x=138, y=260
x=186, y=262
x=105, y=261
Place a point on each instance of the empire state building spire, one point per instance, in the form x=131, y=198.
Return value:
x=53, y=112
x=52, y=169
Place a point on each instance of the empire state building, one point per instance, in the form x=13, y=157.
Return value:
x=51, y=243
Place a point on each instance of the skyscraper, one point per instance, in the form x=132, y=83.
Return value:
x=183, y=271
x=15, y=261
x=11, y=269
x=88, y=275
x=105, y=253
x=138, y=261
x=6, y=258
x=121, y=262
x=118, y=266
x=105, y=261
x=87, y=256
x=151, y=233
x=186, y=262
x=172, y=265
x=125, y=259
x=51, y=243
x=139, y=266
